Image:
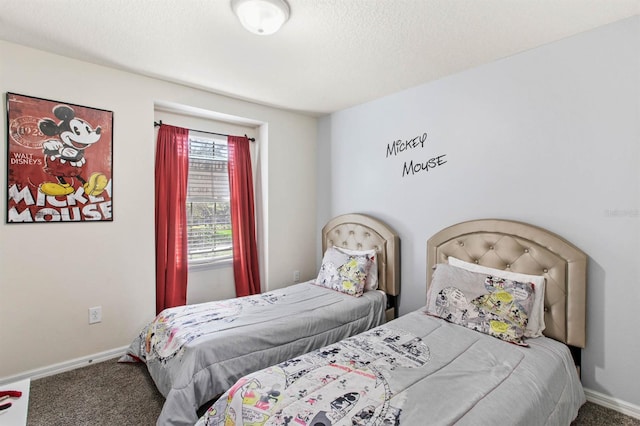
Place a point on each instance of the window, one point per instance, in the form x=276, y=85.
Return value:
x=208, y=210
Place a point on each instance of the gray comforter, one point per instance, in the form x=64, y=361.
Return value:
x=196, y=352
x=416, y=370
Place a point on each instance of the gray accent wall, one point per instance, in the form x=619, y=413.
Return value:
x=550, y=137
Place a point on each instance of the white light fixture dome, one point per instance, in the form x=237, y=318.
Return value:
x=262, y=17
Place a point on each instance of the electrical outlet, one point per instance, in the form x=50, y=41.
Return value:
x=95, y=314
x=296, y=276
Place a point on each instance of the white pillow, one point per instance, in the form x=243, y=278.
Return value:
x=371, y=282
x=536, y=321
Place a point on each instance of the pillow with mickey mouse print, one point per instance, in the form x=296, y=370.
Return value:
x=344, y=272
x=495, y=306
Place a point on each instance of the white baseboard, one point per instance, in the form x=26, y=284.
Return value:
x=65, y=366
x=613, y=403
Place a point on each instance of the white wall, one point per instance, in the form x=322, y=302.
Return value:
x=550, y=137
x=50, y=274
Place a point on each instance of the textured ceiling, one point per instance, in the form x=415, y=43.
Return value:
x=330, y=55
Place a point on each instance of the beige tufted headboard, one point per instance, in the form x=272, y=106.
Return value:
x=524, y=248
x=361, y=232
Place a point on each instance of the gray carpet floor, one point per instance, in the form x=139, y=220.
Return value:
x=109, y=393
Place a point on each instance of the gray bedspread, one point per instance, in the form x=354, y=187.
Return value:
x=416, y=370
x=196, y=352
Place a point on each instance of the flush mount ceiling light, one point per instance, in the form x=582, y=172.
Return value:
x=262, y=17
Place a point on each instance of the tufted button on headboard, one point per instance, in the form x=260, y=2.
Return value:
x=524, y=248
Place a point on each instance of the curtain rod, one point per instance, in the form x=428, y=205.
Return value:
x=159, y=123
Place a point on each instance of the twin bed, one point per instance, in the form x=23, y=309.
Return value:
x=196, y=352
x=446, y=363
x=307, y=355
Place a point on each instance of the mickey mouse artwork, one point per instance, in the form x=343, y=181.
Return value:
x=64, y=154
x=59, y=161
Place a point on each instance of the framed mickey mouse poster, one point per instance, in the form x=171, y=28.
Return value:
x=59, y=161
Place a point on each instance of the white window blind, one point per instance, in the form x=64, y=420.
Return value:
x=208, y=210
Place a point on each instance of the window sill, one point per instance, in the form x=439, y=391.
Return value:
x=215, y=264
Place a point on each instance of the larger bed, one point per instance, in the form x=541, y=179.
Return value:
x=196, y=352
x=437, y=365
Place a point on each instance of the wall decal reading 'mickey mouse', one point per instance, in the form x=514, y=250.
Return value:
x=64, y=154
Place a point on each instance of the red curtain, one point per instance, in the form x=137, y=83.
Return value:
x=172, y=171
x=245, y=252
